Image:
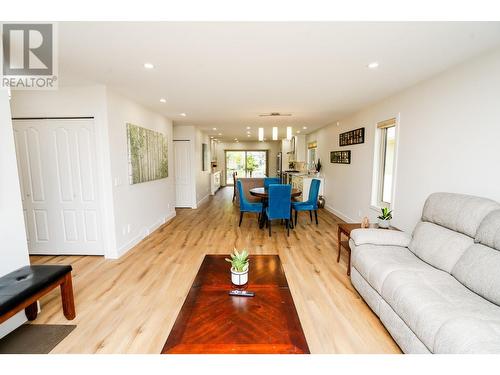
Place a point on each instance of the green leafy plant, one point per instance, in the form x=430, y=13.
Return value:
x=239, y=261
x=252, y=164
x=386, y=214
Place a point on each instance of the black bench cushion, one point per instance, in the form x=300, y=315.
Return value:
x=21, y=284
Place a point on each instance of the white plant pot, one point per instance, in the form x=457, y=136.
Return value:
x=239, y=278
x=384, y=223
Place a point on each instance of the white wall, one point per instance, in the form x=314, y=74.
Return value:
x=14, y=250
x=273, y=148
x=140, y=208
x=448, y=141
x=202, y=177
x=201, y=187
x=78, y=101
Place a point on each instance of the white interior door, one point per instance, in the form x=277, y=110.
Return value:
x=58, y=178
x=183, y=184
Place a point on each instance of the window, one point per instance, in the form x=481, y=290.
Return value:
x=311, y=154
x=384, y=166
x=246, y=163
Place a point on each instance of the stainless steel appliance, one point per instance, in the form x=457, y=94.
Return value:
x=279, y=168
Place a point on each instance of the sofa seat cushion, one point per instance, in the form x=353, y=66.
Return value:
x=376, y=263
x=431, y=302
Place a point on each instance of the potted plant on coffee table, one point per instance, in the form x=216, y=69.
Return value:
x=384, y=219
x=239, y=267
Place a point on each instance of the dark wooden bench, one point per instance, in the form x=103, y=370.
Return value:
x=22, y=289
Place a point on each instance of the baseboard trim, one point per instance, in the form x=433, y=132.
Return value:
x=143, y=234
x=339, y=214
x=202, y=200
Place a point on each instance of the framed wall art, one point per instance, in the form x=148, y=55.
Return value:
x=352, y=137
x=147, y=154
x=340, y=157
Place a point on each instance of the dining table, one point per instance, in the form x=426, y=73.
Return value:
x=261, y=192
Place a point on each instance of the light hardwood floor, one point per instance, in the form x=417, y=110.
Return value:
x=129, y=305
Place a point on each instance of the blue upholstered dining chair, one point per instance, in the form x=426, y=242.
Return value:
x=312, y=202
x=279, y=205
x=245, y=205
x=271, y=180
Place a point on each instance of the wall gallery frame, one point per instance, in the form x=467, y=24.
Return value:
x=147, y=154
x=340, y=157
x=352, y=137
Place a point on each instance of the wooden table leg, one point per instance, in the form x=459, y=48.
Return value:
x=349, y=262
x=68, y=301
x=31, y=311
x=339, y=233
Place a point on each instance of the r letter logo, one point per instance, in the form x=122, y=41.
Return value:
x=28, y=61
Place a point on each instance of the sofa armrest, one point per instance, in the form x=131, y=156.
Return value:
x=381, y=237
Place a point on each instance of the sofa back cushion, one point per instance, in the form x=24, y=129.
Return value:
x=438, y=246
x=479, y=270
x=457, y=212
x=488, y=233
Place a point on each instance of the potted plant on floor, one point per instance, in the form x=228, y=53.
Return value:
x=384, y=219
x=239, y=267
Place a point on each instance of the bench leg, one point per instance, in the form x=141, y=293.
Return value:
x=68, y=301
x=31, y=311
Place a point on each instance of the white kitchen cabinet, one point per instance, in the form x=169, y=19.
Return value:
x=214, y=182
x=303, y=183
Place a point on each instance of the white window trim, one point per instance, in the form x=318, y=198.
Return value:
x=374, y=204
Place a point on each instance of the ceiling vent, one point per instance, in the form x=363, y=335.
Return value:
x=274, y=114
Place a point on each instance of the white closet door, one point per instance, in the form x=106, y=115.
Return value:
x=58, y=177
x=183, y=185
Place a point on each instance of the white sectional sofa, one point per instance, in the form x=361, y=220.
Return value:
x=438, y=290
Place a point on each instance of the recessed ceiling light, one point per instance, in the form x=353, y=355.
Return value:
x=236, y=139
x=373, y=65
x=248, y=128
x=183, y=114
x=304, y=127
x=163, y=100
x=149, y=66
x=214, y=128
x=248, y=135
x=220, y=134
x=298, y=131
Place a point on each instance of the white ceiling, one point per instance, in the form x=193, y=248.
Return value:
x=224, y=75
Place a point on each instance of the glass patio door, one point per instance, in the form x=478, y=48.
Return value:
x=246, y=163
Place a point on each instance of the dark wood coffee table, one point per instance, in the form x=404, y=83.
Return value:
x=211, y=321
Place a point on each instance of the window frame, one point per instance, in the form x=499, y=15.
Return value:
x=381, y=129
x=246, y=152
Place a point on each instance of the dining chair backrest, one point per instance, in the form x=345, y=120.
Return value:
x=314, y=192
x=243, y=200
x=271, y=180
x=280, y=198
